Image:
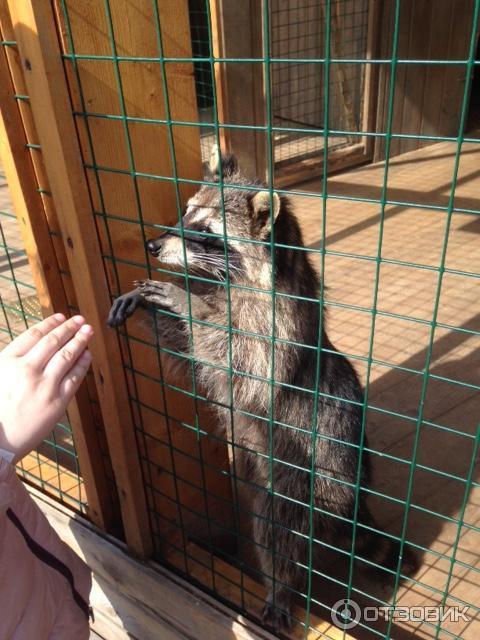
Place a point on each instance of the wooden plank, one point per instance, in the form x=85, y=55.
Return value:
x=460, y=30
x=384, y=52
x=399, y=95
x=198, y=461
x=441, y=24
x=338, y=160
x=221, y=78
x=143, y=599
x=372, y=75
x=239, y=35
x=427, y=99
x=38, y=245
x=416, y=75
x=34, y=28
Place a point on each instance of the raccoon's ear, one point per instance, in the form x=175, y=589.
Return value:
x=261, y=207
x=226, y=161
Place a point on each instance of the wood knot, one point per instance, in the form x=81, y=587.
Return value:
x=28, y=64
x=70, y=242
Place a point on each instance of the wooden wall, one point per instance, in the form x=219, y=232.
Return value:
x=428, y=98
x=298, y=88
x=237, y=33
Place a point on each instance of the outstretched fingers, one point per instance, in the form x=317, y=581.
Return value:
x=28, y=339
x=48, y=346
x=74, y=377
x=68, y=356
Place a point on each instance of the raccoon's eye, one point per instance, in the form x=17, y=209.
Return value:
x=213, y=240
x=207, y=230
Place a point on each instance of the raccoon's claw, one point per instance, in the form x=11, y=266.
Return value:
x=123, y=307
x=276, y=618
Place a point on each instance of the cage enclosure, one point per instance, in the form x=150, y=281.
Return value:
x=365, y=116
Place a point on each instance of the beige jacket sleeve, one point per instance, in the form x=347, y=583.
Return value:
x=44, y=585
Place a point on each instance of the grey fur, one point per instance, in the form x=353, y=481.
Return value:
x=339, y=415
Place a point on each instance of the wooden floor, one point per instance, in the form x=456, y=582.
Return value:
x=437, y=520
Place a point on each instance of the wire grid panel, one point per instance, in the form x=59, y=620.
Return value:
x=387, y=286
x=298, y=102
x=203, y=71
x=53, y=466
x=298, y=86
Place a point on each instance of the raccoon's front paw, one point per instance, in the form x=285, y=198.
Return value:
x=163, y=294
x=123, y=307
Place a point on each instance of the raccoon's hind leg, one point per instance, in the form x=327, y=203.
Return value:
x=280, y=551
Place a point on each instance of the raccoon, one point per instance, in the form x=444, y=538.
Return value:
x=296, y=439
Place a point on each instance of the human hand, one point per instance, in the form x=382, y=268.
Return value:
x=40, y=371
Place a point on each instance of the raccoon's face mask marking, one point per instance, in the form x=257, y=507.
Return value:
x=200, y=242
x=197, y=243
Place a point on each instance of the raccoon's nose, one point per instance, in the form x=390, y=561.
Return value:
x=152, y=247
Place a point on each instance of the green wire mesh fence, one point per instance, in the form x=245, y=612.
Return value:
x=203, y=71
x=336, y=74
x=298, y=88
x=53, y=466
x=298, y=101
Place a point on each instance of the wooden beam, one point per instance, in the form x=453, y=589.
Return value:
x=28, y=206
x=370, y=102
x=35, y=31
x=237, y=33
x=427, y=101
x=220, y=78
x=145, y=600
x=142, y=599
x=304, y=170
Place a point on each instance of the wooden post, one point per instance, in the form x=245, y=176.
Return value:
x=427, y=100
x=237, y=33
x=38, y=245
x=370, y=103
x=34, y=27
